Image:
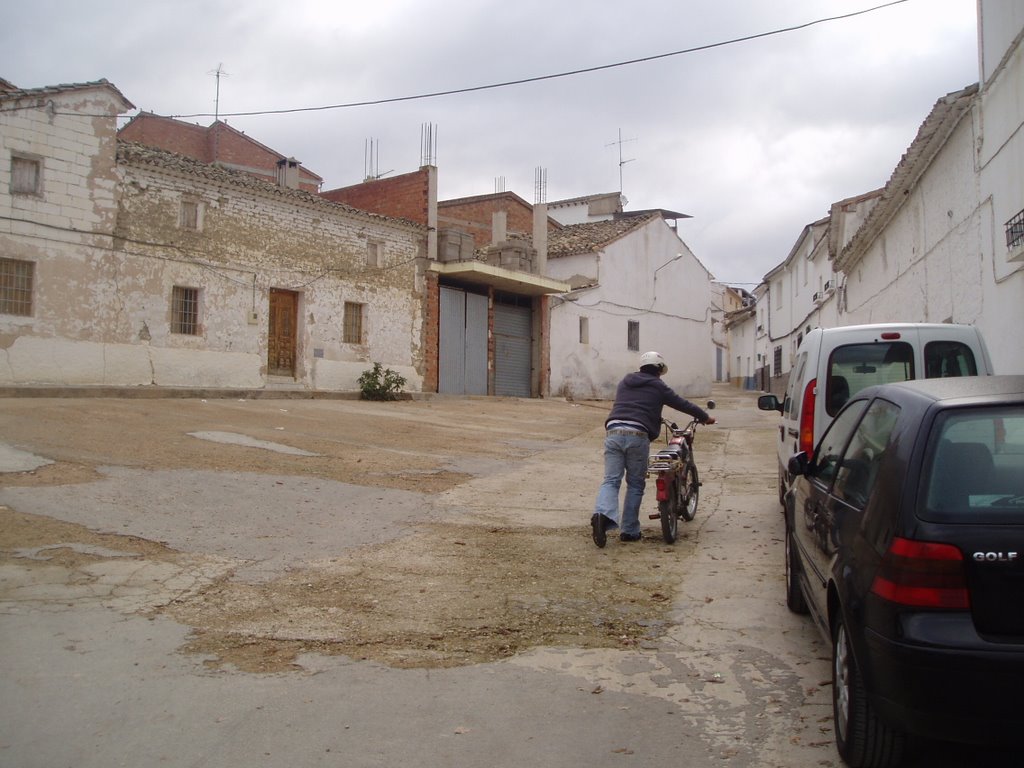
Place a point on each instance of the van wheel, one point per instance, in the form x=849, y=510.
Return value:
x=863, y=741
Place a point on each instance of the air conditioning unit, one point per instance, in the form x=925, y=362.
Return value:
x=828, y=286
x=816, y=298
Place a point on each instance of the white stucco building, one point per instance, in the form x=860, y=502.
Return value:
x=636, y=287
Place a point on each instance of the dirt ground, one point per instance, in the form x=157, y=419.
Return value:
x=451, y=590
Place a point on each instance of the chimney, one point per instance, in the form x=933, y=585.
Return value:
x=540, y=237
x=288, y=173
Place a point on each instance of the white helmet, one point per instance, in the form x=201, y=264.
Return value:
x=653, y=358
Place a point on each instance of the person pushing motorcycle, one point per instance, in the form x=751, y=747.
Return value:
x=633, y=422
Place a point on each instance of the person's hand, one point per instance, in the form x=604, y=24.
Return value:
x=711, y=420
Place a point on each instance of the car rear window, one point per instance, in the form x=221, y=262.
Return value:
x=975, y=466
x=852, y=367
x=948, y=358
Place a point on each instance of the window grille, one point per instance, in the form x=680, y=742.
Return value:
x=1015, y=231
x=777, y=362
x=16, y=279
x=633, y=336
x=185, y=310
x=352, y=330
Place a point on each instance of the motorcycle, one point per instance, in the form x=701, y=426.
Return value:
x=676, y=478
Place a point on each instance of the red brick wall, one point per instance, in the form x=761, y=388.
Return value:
x=218, y=143
x=476, y=217
x=402, y=196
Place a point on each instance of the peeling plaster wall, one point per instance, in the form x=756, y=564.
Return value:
x=108, y=247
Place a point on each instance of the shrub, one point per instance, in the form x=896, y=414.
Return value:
x=380, y=383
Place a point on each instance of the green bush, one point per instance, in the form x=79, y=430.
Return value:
x=380, y=384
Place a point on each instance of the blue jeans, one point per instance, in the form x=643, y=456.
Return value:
x=623, y=454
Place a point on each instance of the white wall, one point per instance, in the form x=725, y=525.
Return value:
x=673, y=310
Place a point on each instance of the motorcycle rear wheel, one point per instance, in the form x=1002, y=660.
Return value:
x=668, y=511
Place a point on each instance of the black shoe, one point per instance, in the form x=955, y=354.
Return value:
x=598, y=526
x=630, y=537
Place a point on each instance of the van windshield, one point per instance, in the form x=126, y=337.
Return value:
x=853, y=367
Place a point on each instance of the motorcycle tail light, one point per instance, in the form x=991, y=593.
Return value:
x=662, y=485
x=923, y=574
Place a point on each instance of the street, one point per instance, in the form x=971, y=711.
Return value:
x=318, y=583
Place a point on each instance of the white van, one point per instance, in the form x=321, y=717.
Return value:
x=834, y=363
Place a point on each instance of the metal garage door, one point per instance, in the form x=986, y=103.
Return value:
x=462, y=343
x=512, y=350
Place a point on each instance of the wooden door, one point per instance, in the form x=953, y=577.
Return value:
x=281, y=343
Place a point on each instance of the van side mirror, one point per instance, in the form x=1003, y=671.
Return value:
x=769, y=403
x=711, y=405
x=798, y=464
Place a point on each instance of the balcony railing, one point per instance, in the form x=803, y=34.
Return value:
x=1015, y=231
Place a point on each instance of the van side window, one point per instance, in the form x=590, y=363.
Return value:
x=793, y=393
x=854, y=366
x=948, y=358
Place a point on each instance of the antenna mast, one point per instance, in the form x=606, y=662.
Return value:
x=622, y=162
x=218, y=73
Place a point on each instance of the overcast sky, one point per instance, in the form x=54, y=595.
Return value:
x=754, y=139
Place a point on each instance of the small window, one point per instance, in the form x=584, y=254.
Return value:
x=190, y=215
x=16, y=278
x=26, y=176
x=352, y=331
x=633, y=336
x=185, y=310
x=374, y=253
x=584, y=330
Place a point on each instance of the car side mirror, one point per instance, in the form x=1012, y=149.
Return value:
x=798, y=464
x=769, y=403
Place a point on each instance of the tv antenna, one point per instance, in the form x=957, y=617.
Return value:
x=622, y=162
x=371, y=161
x=218, y=73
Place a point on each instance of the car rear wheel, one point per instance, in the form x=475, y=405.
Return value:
x=795, y=600
x=862, y=739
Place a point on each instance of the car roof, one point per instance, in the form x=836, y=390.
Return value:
x=953, y=390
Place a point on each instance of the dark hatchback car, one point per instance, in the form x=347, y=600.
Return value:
x=905, y=542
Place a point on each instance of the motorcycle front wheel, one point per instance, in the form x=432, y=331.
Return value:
x=691, y=493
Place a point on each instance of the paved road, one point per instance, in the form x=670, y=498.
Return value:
x=89, y=678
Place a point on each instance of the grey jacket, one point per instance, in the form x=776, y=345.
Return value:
x=640, y=398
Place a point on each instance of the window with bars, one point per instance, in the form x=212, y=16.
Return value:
x=16, y=279
x=185, y=310
x=26, y=176
x=633, y=336
x=1015, y=231
x=352, y=329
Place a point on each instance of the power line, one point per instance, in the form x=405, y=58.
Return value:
x=539, y=78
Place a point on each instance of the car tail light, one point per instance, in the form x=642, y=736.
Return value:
x=923, y=574
x=807, y=418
